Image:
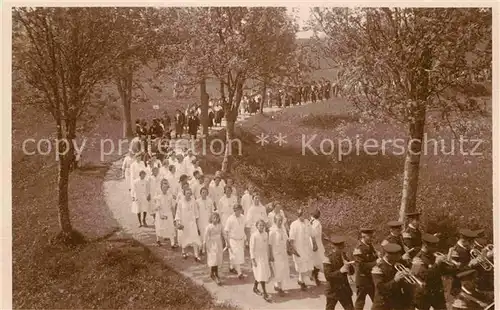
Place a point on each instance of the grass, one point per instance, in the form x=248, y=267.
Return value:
x=109, y=271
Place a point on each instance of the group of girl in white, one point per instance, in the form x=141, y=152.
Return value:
x=210, y=216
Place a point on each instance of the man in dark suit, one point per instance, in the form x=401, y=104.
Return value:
x=366, y=258
x=336, y=271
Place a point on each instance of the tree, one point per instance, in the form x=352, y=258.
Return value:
x=63, y=54
x=146, y=31
x=406, y=64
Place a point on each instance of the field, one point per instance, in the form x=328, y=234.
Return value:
x=110, y=271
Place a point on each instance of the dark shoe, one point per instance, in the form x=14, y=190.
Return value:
x=140, y=225
x=241, y=276
x=318, y=282
x=217, y=280
x=256, y=291
x=302, y=285
x=197, y=259
x=158, y=243
x=184, y=255
x=267, y=298
x=232, y=270
x=212, y=276
x=175, y=246
x=144, y=224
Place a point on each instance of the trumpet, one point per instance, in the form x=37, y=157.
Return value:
x=408, y=276
x=483, y=261
x=447, y=260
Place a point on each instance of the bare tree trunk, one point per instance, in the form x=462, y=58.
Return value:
x=264, y=96
x=124, y=86
x=204, y=108
x=63, y=181
x=412, y=160
x=231, y=116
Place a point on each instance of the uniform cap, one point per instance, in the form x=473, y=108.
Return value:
x=428, y=238
x=479, y=232
x=366, y=230
x=394, y=224
x=413, y=214
x=466, y=274
x=467, y=233
x=392, y=248
x=337, y=240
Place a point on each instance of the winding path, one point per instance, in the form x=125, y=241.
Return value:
x=234, y=291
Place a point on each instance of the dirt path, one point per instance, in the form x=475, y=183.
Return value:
x=234, y=291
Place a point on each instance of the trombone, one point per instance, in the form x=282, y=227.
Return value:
x=483, y=261
x=408, y=276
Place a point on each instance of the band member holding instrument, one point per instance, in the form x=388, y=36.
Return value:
x=395, y=237
x=468, y=297
x=392, y=292
x=429, y=267
x=412, y=236
x=485, y=278
x=459, y=254
x=366, y=258
x=336, y=271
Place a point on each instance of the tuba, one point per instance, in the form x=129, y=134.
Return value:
x=483, y=261
x=408, y=276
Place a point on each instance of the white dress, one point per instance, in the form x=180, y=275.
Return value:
x=235, y=229
x=225, y=208
x=277, y=240
x=205, y=208
x=255, y=213
x=317, y=232
x=127, y=161
x=187, y=213
x=259, y=250
x=165, y=206
x=216, y=192
x=272, y=214
x=246, y=201
x=140, y=192
x=180, y=169
x=135, y=169
x=222, y=184
x=300, y=233
x=213, y=244
x=196, y=187
x=155, y=189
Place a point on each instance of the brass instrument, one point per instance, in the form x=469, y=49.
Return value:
x=483, y=261
x=408, y=276
x=447, y=260
x=490, y=306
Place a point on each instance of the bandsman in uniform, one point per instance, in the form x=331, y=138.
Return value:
x=366, y=258
x=460, y=255
x=392, y=292
x=485, y=278
x=395, y=236
x=336, y=270
x=412, y=236
x=468, y=297
x=429, y=268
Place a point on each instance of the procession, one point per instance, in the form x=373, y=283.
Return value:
x=206, y=217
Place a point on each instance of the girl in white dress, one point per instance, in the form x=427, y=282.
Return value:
x=205, y=209
x=230, y=183
x=141, y=197
x=256, y=213
x=300, y=240
x=246, y=199
x=212, y=245
x=260, y=256
x=155, y=188
x=164, y=222
x=172, y=180
x=277, y=240
x=186, y=219
x=135, y=168
x=226, y=204
x=127, y=162
x=318, y=255
x=278, y=209
x=216, y=190
x=218, y=175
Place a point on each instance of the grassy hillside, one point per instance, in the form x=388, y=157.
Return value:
x=110, y=271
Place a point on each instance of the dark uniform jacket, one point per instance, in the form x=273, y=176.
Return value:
x=337, y=283
x=470, y=299
x=389, y=294
x=424, y=268
x=366, y=258
x=462, y=256
x=412, y=238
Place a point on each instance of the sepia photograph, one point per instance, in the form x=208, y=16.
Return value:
x=251, y=157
